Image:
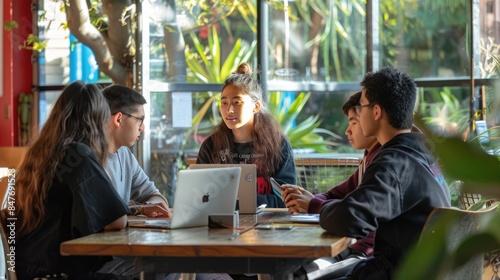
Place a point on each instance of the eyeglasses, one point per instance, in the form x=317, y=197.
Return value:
x=141, y=120
x=359, y=107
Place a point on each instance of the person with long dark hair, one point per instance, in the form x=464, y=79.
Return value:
x=248, y=133
x=62, y=191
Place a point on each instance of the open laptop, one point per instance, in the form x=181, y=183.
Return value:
x=247, y=191
x=198, y=194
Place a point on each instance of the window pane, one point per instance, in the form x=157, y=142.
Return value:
x=327, y=107
x=316, y=40
x=54, y=59
x=488, y=132
x=192, y=43
x=47, y=101
x=489, y=48
x=445, y=109
x=425, y=38
x=169, y=141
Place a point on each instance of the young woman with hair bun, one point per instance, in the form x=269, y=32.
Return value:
x=248, y=133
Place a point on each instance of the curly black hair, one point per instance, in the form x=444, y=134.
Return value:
x=395, y=92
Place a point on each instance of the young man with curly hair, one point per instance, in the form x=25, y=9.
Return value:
x=399, y=188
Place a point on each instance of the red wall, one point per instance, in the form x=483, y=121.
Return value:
x=17, y=67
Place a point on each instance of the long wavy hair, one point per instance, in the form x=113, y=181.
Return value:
x=267, y=134
x=80, y=114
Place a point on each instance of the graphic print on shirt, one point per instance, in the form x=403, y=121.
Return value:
x=263, y=186
x=243, y=154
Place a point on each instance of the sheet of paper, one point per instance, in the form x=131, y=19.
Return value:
x=301, y=218
x=182, y=109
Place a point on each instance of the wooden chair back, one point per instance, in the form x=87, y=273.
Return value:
x=12, y=156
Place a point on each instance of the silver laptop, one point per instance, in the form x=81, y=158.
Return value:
x=247, y=191
x=198, y=194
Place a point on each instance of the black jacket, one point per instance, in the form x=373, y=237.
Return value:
x=399, y=190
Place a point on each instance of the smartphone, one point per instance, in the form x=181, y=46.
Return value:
x=276, y=186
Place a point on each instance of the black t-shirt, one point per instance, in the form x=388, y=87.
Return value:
x=244, y=153
x=81, y=201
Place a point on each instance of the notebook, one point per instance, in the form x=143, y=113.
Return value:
x=247, y=191
x=198, y=194
x=301, y=218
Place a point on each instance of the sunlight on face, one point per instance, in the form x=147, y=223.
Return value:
x=237, y=108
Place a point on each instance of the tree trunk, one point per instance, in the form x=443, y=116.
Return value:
x=113, y=48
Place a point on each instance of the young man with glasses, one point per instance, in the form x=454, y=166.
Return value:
x=124, y=129
x=298, y=199
x=133, y=185
x=399, y=188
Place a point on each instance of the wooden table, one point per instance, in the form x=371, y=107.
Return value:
x=276, y=252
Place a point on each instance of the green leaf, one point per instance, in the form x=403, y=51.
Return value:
x=9, y=25
x=479, y=167
x=463, y=161
x=304, y=134
x=433, y=259
x=304, y=128
x=472, y=246
x=199, y=47
x=359, y=7
x=274, y=104
x=229, y=64
x=247, y=54
x=327, y=132
x=294, y=110
x=197, y=118
x=214, y=45
x=196, y=67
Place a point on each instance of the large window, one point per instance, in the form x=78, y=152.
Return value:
x=315, y=51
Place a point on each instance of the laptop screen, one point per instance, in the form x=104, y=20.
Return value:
x=200, y=193
x=247, y=192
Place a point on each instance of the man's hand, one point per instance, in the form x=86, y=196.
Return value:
x=162, y=212
x=288, y=189
x=156, y=210
x=296, y=198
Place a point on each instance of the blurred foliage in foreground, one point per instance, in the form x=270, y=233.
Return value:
x=480, y=173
